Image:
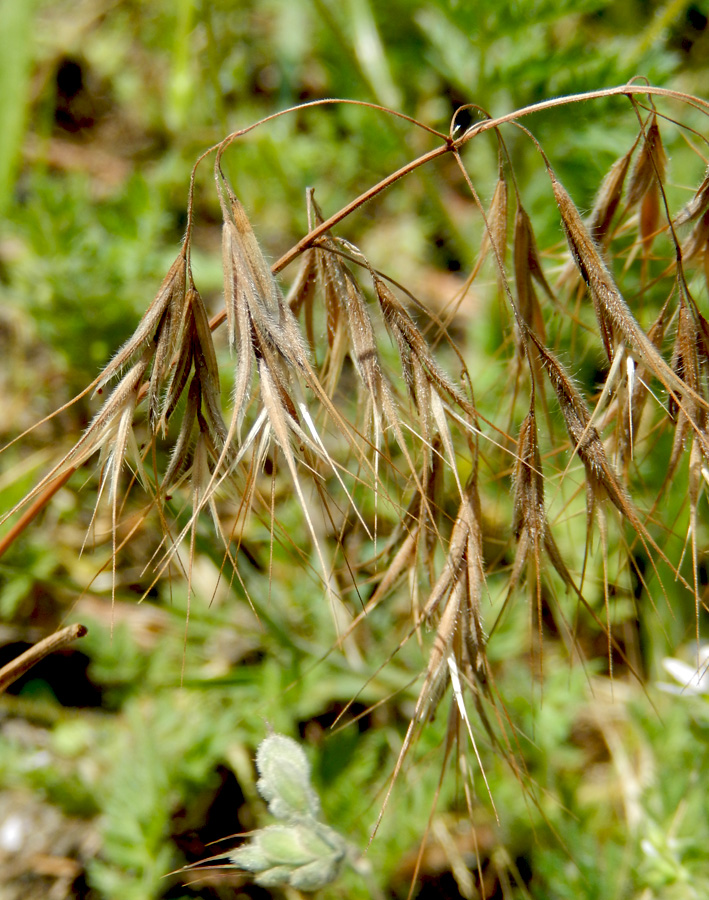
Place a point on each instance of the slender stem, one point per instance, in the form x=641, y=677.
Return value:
x=622, y=90
x=327, y=101
x=312, y=236
x=34, y=509
x=24, y=662
x=452, y=144
x=455, y=144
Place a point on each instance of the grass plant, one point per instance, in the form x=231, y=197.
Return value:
x=444, y=542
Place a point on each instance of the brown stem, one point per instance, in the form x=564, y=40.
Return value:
x=24, y=662
x=34, y=510
x=452, y=144
x=326, y=101
x=317, y=232
x=624, y=90
x=312, y=236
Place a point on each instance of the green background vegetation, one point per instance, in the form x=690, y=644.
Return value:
x=125, y=757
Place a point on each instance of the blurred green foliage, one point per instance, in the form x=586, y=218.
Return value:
x=116, y=101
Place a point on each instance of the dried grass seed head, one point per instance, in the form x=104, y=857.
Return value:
x=697, y=242
x=650, y=165
x=250, y=287
x=258, y=316
x=608, y=199
x=685, y=362
x=495, y=235
x=160, y=316
x=528, y=268
x=528, y=514
x=412, y=343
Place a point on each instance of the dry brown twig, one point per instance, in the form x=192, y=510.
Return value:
x=25, y=661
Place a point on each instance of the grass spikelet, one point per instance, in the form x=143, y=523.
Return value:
x=112, y=468
x=181, y=370
x=101, y=431
x=353, y=310
x=497, y=219
x=685, y=362
x=253, y=282
x=455, y=601
x=529, y=515
x=173, y=341
x=601, y=479
x=333, y=285
x=495, y=235
x=206, y=369
x=649, y=217
x=257, y=313
x=584, y=436
x=530, y=526
x=650, y=164
x=645, y=184
x=164, y=345
x=528, y=266
x=169, y=296
x=604, y=294
x=608, y=199
x=196, y=353
x=697, y=206
x=609, y=301
x=365, y=355
x=696, y=245
x=231, y=278
x=268, y=339
x=97, y=438
x=408, y=337
x=180, y=455
x=428, y=382
x=238, y=323
x=636, y=389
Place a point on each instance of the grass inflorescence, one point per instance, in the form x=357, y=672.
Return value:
x=352, y=431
